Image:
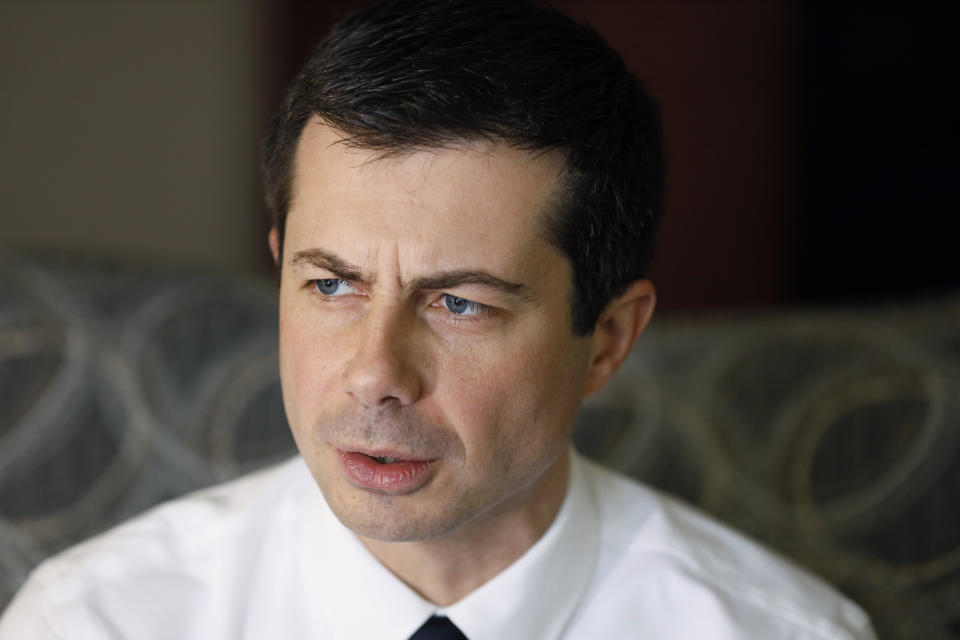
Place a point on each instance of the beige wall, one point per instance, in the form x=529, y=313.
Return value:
x=130, y=128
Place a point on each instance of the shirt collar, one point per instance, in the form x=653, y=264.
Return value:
x=354, y=596
x=536, y=596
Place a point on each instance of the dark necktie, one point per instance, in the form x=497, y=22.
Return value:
x=437, y=628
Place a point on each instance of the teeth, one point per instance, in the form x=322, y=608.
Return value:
x=386, y=460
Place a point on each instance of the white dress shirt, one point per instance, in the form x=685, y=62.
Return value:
x=264, y=557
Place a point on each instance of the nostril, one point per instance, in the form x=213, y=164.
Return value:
x=381, y=382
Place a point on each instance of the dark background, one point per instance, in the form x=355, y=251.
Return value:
x=812, y=146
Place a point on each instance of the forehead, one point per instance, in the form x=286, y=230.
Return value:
x=477, y=202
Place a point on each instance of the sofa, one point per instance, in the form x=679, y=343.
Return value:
x=831, y=435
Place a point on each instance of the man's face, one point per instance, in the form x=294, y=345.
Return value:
x=425, y=318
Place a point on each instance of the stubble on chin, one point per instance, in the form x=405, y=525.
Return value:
x=426, y=513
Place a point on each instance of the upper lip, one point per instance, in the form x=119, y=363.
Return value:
x=386, y=453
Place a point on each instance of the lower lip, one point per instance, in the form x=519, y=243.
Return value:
x=395, y=477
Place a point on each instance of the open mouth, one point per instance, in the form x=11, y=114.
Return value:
x=385, y=473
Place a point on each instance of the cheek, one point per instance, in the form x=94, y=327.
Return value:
x=306, y=366
x=514, y=398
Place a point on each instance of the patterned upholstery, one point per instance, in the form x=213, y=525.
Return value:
x=832, y=436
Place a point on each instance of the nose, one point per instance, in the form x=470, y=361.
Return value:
x=385, y=368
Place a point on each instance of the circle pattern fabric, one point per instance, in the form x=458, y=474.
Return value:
x=832, y=436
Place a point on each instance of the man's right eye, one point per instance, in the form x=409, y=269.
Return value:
x=333, y=287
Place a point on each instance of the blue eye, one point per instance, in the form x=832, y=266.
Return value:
x=333, y=286
x=462, y=306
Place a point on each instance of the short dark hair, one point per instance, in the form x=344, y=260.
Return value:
x=407, y=74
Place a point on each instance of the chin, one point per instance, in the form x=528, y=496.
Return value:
x=386, y=525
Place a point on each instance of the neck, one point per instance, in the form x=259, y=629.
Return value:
x=446, y=569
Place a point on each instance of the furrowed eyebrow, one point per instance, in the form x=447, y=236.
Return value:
x=332, y=263
x=435, y=282
x=451, y=279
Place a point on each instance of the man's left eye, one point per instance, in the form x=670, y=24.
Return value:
x=462, y=306
x=333, y=287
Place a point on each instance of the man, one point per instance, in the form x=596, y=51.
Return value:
x=465, y=197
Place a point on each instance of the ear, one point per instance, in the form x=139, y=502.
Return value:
x=624, y=318
x=273, y=239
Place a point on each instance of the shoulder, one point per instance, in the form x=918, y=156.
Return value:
x=697, y=571
x=171, y=558
x=197, y=525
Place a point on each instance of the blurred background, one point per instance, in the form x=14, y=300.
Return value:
x=812, y=145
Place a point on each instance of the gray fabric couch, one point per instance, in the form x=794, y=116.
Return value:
x=832, y=435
